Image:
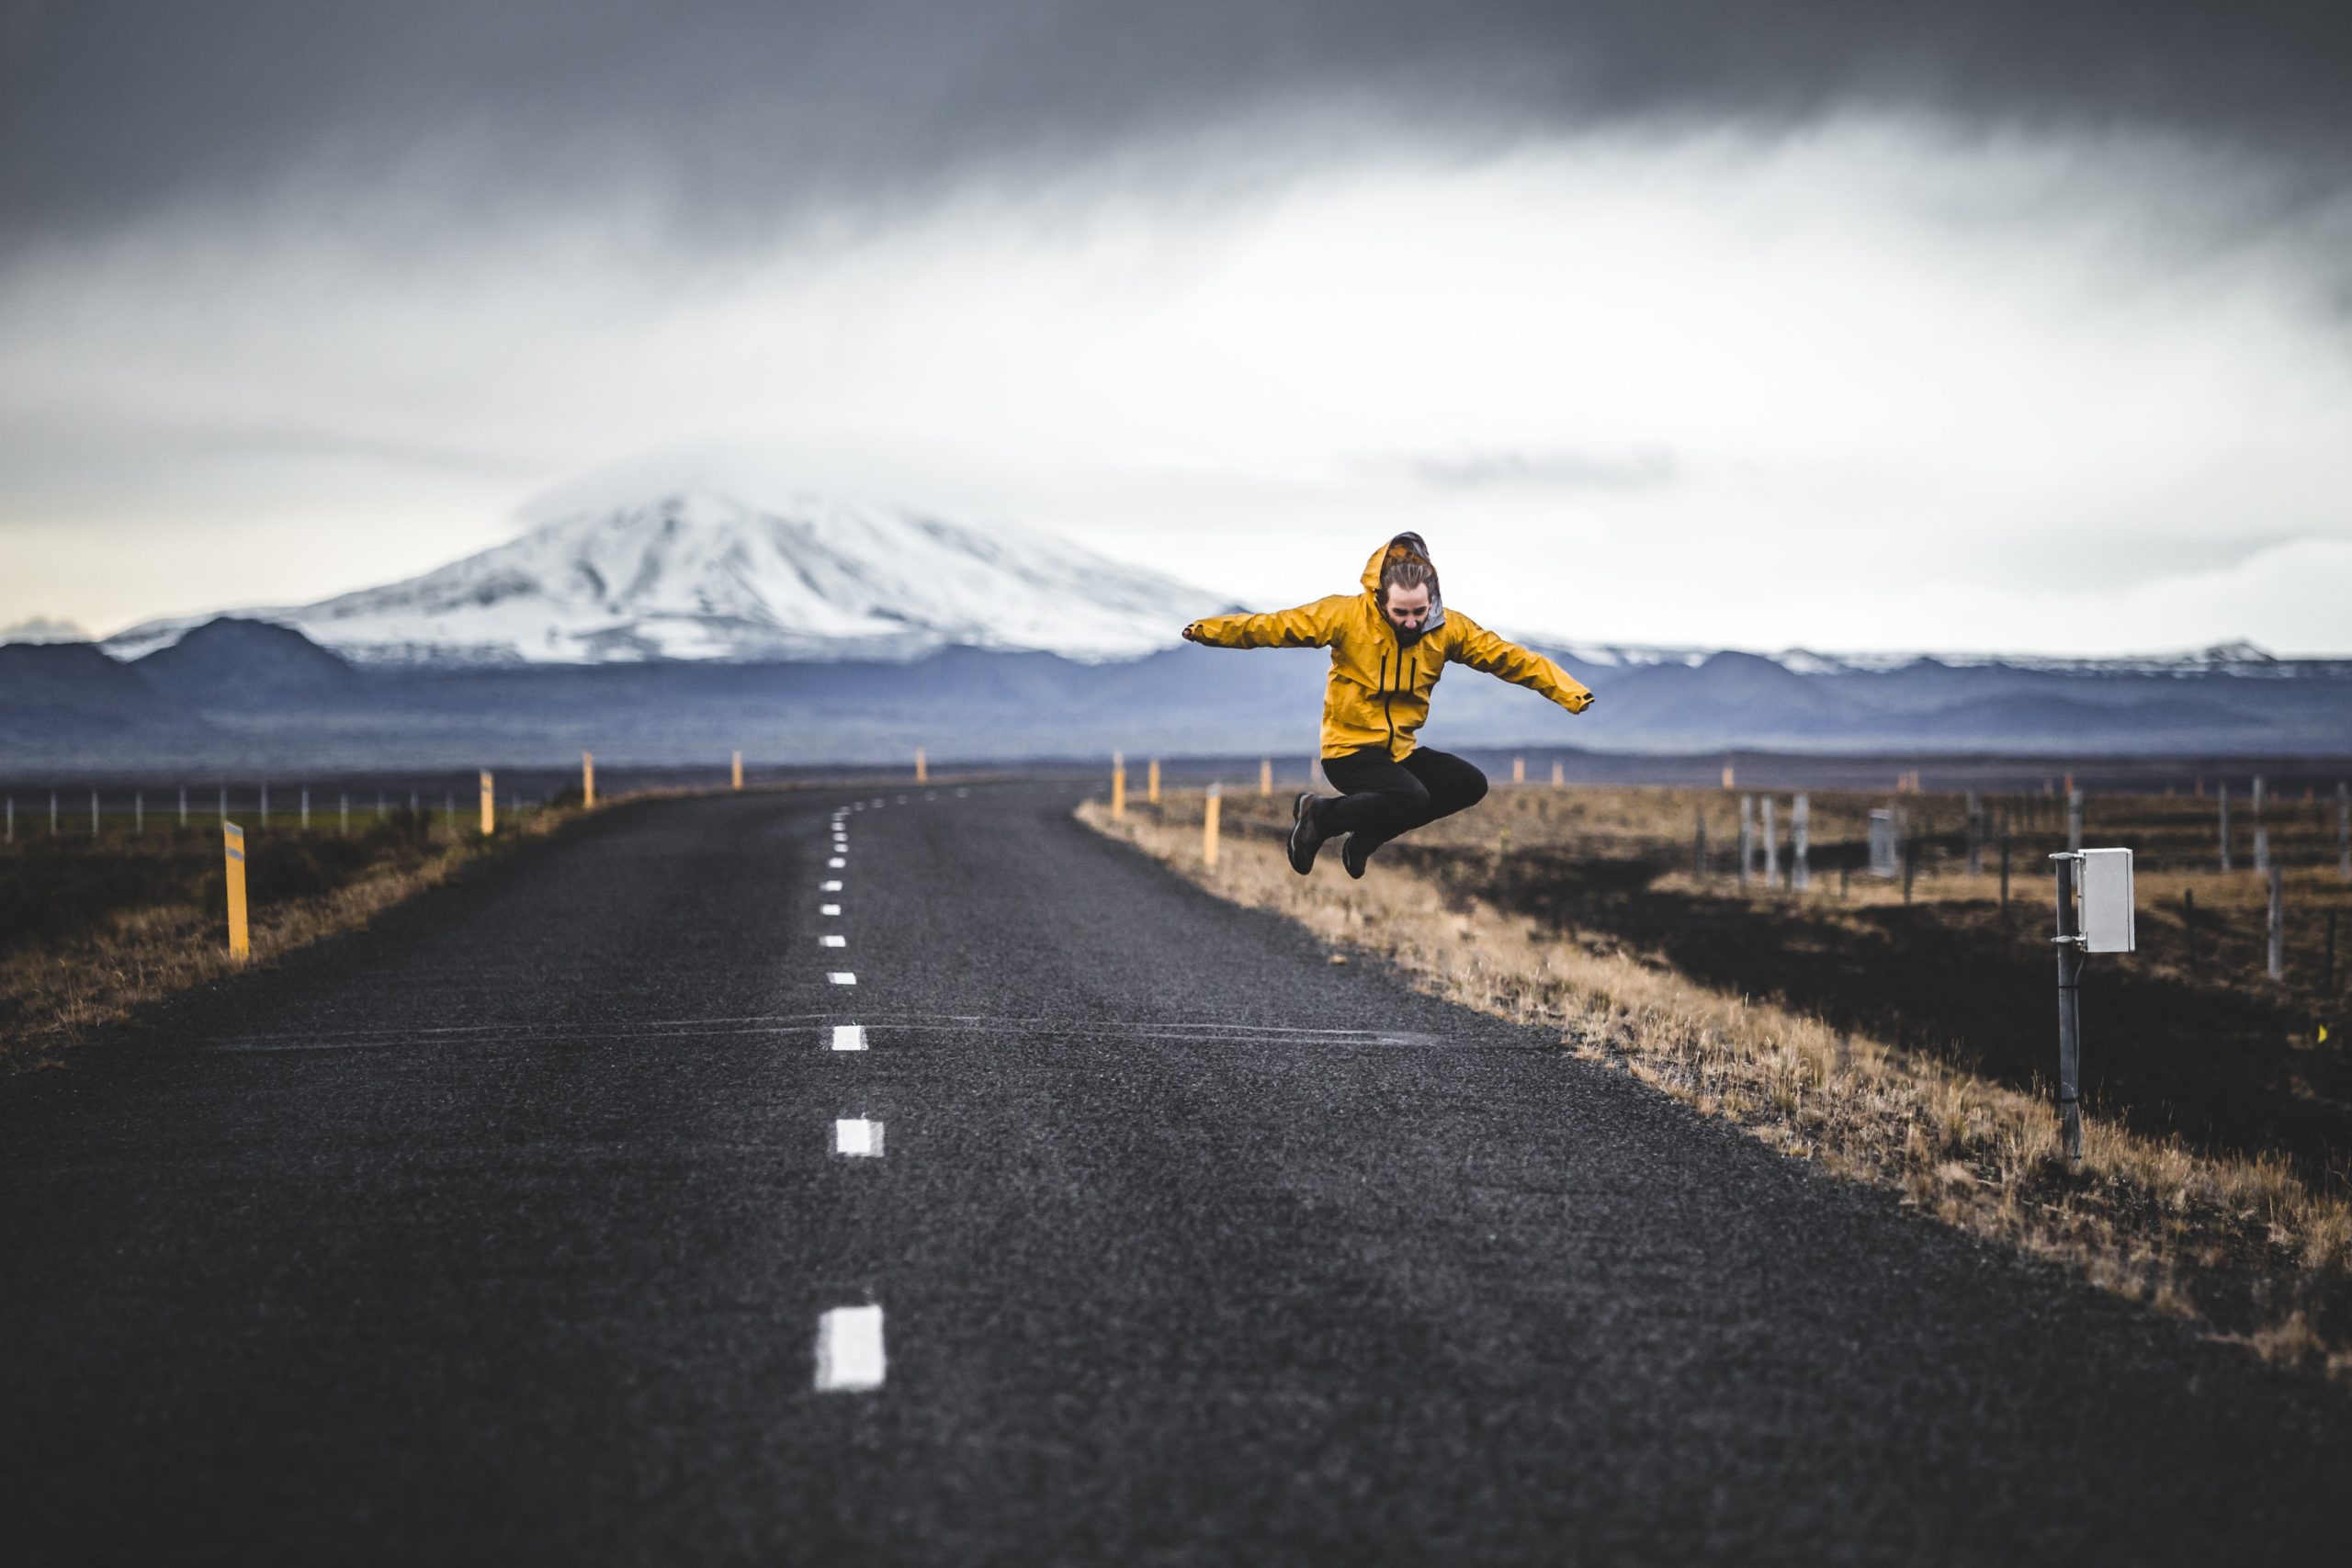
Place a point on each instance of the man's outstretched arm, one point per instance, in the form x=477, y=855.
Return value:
x=1307, y=626
x=1481, y=649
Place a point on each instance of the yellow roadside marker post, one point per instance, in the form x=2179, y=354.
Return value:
x=1727, y=776
x=922, y=767
x=1152, y=786
x=1118, y=783
x=1208, y=825
x=739, y=770
x=1518, y=770
x=488, y=806
x=1559, y=775
x=232, y=845
x=587, y=778
x=1265, y=775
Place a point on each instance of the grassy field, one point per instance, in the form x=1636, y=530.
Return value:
x=1909, y=1043
x=92, y=925
x=2188, y=1037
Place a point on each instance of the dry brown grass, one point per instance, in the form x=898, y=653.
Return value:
x=58, y=992
x=2243, y=1246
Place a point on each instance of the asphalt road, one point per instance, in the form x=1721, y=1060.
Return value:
x=503, y=1233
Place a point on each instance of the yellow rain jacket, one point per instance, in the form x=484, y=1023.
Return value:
x=1380, y=685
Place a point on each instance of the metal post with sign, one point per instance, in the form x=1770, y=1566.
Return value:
x=2095, y=915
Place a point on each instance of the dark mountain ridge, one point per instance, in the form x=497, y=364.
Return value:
x=237, y=692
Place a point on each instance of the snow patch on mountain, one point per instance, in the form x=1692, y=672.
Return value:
x=698, y=574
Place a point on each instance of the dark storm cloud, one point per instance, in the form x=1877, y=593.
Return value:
x=733, y=116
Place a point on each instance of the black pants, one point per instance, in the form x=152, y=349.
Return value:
x=1382, y=798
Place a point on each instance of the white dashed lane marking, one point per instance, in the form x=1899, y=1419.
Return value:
x=849, y=1349
x=849, y=1339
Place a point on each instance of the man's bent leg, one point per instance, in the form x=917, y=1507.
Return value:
x=1448, y=785
x=1380, y=798
x=1452, y=785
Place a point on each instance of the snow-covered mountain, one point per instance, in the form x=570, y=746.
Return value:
x=698, y=574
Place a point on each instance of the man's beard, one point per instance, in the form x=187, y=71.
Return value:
x=1409, y=635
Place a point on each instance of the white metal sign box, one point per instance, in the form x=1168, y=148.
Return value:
x=2106, y=901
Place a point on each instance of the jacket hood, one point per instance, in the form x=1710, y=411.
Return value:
x=1404, y=543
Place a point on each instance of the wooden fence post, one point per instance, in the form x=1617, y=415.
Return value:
x=232, y=845
x=1746, y=838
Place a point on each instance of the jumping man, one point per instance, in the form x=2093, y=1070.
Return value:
x=1389, y=645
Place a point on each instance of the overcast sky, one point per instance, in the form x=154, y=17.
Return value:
x=1822, y=324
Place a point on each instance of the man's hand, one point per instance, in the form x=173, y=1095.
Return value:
x=1193, y=632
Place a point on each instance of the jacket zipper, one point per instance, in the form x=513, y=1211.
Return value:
x=1386, y=696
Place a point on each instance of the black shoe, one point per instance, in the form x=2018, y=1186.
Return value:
x=1354, y=853
x=1306, y=836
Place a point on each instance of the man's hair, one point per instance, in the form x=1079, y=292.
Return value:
x=1407, y=568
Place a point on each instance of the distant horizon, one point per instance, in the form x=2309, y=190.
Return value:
x=592, y=494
